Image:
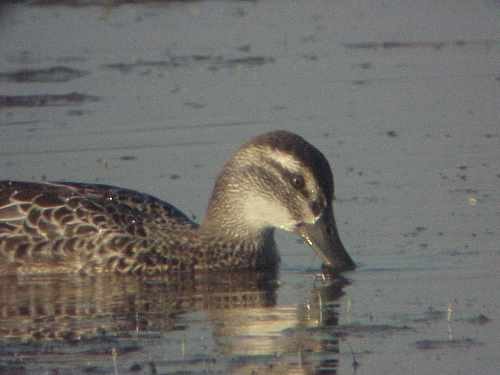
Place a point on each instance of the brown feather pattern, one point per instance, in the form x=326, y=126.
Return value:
x=89, y=228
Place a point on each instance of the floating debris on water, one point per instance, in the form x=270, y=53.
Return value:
x=46, y=100
x=465, y=342
x=53, y=74
x=472, y=201
x=128, y=157
x=213, y=62
x=479, y=319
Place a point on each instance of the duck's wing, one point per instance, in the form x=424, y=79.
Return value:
x=64, y=209
x=148, y=207
x=58, y=220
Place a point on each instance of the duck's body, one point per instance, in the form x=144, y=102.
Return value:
x=74, y=227
x=276, y=180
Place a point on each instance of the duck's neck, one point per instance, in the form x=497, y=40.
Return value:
x=226, y=209
x=238, y=248
x=225, y=223
x=229, y=224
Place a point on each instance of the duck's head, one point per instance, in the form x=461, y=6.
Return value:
x=279, y=180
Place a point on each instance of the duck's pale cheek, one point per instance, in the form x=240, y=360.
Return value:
x=262, y=212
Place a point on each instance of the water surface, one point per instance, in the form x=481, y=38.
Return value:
x=402, y=98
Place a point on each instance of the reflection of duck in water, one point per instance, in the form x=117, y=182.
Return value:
x=74, y=307
x=229, y=322
x=285, y=339
x=276, y=180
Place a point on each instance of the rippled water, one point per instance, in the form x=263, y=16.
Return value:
x=215, y=323
x=401, y=97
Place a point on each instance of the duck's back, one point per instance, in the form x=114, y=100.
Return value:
x=67, y=227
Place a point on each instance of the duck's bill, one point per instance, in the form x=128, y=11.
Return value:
x=324, y=238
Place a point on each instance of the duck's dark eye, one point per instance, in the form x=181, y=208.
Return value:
x=298, y=182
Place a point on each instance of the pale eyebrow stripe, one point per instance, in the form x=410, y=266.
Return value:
x=288, y=175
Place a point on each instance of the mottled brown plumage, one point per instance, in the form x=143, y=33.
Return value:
x=276, y=180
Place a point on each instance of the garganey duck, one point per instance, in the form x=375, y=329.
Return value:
x=275, y=180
